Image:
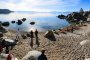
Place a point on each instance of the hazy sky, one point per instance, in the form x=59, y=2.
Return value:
x=45, y=5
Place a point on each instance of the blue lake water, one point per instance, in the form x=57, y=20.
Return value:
x=43, y=21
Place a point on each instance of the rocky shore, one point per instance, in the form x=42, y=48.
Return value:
x=66, y=47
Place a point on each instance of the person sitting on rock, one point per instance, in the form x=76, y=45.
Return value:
x=42, y=56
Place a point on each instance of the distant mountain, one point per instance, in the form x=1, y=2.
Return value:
x=5, y=11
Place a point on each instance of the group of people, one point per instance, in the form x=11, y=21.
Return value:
x=32, y=36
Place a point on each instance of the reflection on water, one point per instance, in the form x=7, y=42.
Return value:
x=43, y=21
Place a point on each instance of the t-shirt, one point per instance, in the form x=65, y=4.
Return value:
x=42, y=57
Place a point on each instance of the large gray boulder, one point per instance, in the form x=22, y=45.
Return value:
x=50, y=35
x=33, y=55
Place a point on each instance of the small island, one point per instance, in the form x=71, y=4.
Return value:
x=5, y=11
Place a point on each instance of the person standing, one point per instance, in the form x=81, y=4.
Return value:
x=32, y=36
x=36, y=35
x=37, y=42
x=18, y=34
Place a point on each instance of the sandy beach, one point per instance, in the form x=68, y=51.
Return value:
x=66, y=47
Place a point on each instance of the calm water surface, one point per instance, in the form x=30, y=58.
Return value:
x=43, y=21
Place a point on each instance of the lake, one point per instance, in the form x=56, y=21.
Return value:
x=43, y=20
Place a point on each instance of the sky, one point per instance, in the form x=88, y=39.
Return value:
x=45, y=5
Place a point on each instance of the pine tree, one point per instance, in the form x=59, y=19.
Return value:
x=81, y=11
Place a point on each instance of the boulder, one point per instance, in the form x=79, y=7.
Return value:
x=50, y=35
x=87, y=59
x=84, y=42
x=5, y=24
x=88, y=19
x=32, y=54
x=24, y=19
x=24, y=36
x=32, y=23
x=1, y=34
x=12, y=22
x=56, y=32
x=3, y=30
x=89, y=16
x=19, y=22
